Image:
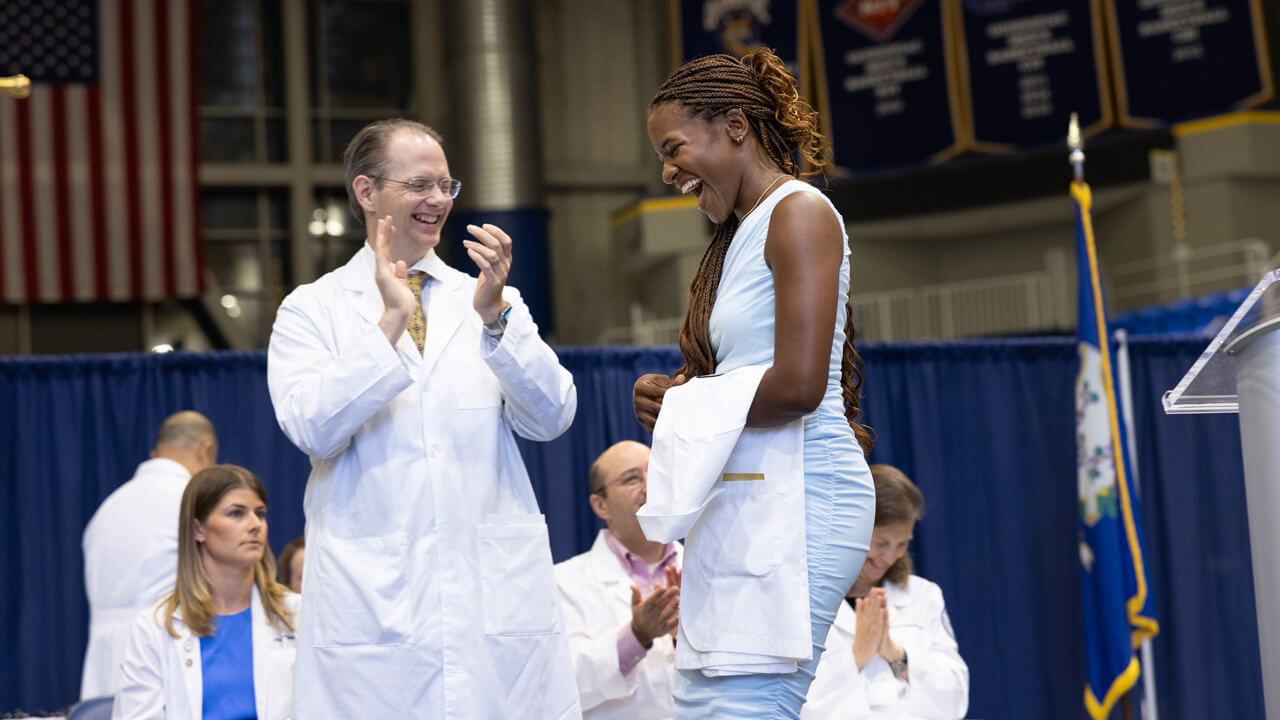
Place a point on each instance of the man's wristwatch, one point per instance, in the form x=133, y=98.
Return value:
x=899, y=666
x=499, y=326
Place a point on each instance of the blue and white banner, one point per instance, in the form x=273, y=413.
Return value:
x=886, y=88
x=736, y=27
x=1026, y=66
x=1118, y=611
x=1181, y=59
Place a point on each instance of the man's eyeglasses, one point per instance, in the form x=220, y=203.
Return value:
x=422, y=186
x=628, y=480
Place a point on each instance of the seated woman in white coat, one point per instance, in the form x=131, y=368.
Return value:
x=891, y=652
x=220, y=645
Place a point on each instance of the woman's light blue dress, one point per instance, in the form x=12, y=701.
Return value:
x=839, y=493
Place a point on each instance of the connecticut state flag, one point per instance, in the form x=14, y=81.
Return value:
x=1118, y=613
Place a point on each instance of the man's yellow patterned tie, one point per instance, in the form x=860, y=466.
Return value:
x=418, y=323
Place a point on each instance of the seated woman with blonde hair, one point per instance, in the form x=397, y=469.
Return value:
x=220, y=645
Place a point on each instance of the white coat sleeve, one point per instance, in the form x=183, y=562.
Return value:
x=539, y=395
x=939, y=687
x=839, y=690
x=594, y=650
x=141, y=674
x=323, y=391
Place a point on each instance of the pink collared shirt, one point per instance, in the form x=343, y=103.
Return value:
x=630, y=651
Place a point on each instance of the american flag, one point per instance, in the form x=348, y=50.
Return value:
x=98, y=167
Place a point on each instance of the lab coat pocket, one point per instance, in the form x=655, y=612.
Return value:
x=363, y=591
x=478, y=391
x=735, y=537
x=517, y=583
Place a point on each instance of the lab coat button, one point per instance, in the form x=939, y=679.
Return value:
x=188, y=662
x=187, y=646
x=434, y=453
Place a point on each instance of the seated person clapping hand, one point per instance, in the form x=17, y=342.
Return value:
x=891, y=652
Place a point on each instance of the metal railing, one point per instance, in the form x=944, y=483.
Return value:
x=1187, y=272
x=1011, y=304
x=990, y=306
x=643, y=330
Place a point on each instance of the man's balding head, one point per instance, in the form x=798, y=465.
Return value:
x=618, y=481
x=188, y=438
x=613, y=461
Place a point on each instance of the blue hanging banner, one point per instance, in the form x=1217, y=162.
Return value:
x=1026, y=66
x=887, y=92
x=1181, y=59
x=736, y=27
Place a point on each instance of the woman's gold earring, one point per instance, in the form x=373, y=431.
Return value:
x=738, y=139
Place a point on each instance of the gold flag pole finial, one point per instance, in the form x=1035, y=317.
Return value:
x=18, y=86
x=1076, y=143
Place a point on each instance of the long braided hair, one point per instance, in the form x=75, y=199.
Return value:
x=760, y=86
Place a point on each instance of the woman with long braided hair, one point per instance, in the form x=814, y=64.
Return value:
x=771, y=291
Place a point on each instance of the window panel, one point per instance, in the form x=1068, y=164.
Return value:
x=227, y=140
x=235, y=265
x=222, y=209
x=363, y=74
x=229, y=54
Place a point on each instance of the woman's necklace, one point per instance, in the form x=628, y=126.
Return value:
x=763, y=193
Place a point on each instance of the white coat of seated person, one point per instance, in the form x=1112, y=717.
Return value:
x=620, y=599
x=895, y=656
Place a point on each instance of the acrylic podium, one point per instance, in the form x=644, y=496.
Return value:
x=1240, y=373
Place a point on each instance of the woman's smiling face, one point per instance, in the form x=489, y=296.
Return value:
x=698, y=157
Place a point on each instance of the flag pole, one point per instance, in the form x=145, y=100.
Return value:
x=1076, y=144
x=19, y=86
x=1150, y=710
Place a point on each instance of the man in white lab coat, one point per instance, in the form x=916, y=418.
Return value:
x=620, y=599
x=131, y=543
x=428, y=589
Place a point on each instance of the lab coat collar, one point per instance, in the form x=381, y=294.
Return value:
x=164, y=466
x=188, y=648
x=444, y=313
x=605, y=565
x=846, y=619
x=895, y=596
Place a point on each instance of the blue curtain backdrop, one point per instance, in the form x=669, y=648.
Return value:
x=986, y=429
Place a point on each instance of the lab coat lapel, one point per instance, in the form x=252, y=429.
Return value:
x=605, y=565
x=263, y=636
x=846, y=619
x=448, y=305
x=357, y=279
x=187, y=648
x=896, y=598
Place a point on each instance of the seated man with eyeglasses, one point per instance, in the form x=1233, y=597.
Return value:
x=405, y=381
x=620, y=598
